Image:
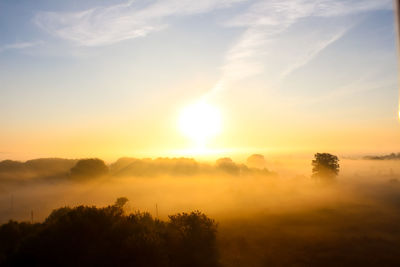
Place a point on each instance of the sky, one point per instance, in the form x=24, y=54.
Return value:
x=111, y=78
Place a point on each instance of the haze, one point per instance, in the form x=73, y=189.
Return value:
x=212, y=133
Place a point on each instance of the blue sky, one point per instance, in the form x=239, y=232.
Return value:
x=301, y=75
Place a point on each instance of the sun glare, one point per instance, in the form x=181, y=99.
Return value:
x=200, y=122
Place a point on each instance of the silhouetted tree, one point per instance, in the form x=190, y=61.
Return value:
x=120, y=202
x=390, y=156
x=227, y=165
x=325, y=165
x=45, y=168
x=256, y=161
x=89, y=168
x=90, y=236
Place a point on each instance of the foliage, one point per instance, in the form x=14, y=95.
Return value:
x=83, y=170
x=325, y=165
x=120, y=202
x=194, y=235
x=34, y=169
x=391, y=156
x=89, y=168
x=90, y=236
x=227, y=165
x=256, y=161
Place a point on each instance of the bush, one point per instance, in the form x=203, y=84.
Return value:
x=90, y=236
x=192, y=239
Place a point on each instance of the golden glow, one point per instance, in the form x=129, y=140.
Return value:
x=200, y=122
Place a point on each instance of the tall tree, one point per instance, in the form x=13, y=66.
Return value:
x=325, y=165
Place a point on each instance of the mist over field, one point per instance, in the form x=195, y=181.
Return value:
x=191, y=89
x=269, y=212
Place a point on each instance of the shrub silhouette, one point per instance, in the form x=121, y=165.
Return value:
x=89, y=168
x=120, y=202
x=325, y=165
x=192, y=235
x=90, y=236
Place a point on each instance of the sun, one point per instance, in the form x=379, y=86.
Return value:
x=200, y=122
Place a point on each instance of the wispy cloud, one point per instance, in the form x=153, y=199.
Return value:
x=20, y=45
x=107, y=25
x=313, y=50
x=257, y=50
x=265, y=21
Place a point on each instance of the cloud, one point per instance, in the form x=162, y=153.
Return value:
x=313, y=50
x=265, y=22
x=108, y=25
x=259, y=49
x=21, y=45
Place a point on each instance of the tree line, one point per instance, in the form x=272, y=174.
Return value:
x=324, y=165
